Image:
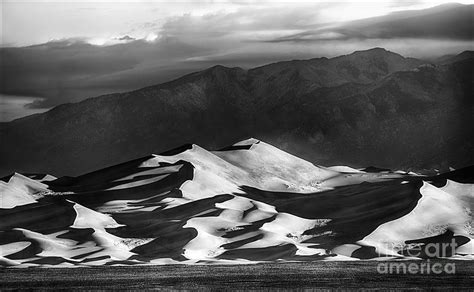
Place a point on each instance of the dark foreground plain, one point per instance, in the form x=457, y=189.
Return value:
x=315, y=275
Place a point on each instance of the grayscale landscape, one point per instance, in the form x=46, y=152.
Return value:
x=237, y=145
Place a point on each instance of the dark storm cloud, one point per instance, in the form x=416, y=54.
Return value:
x=450, y=21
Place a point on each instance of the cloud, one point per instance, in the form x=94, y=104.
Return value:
x=445, y=22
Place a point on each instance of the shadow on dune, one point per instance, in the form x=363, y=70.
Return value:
x=81, y=235
x=463, y=175
x=99, y=176
x=365, y=253
x=272, y=253
x=50, y=261
x=442, y=245
x=355, y=211
x=253, y=226
x=169, y=245
x=46, y=216
x=100, y=193
x=164, y=225
x=159, y=222
x=12, y=236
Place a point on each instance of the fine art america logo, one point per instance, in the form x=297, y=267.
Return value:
x=427, y=252
x=423, y=267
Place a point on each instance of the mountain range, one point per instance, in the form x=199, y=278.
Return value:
x=372, y=107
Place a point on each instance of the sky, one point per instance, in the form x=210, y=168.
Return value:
x=55, y=52
x=102, y=21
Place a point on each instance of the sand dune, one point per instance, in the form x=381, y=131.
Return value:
x=436, y=212
x=246, y=203
x=19, y=190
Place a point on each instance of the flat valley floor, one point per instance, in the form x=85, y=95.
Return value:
x=354, y=275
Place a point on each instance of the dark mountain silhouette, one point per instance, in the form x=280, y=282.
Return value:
x=448, y=59
x=371, y=107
